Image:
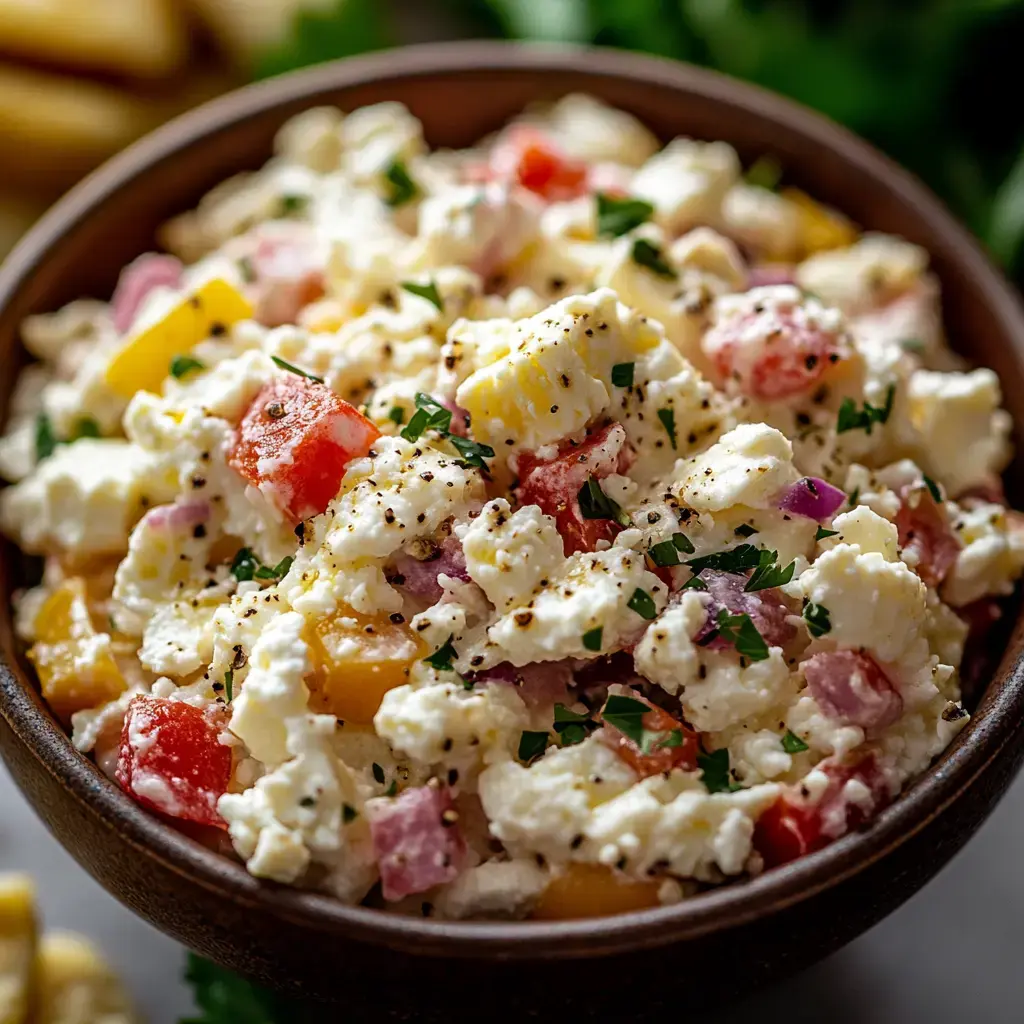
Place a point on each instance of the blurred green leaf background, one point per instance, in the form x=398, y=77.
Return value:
x=931, y=82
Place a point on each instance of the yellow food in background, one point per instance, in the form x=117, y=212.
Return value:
x=244, y=27
x=821, y=227
x=74, y=671
x=17, y=946
x=75, y=985
x=143, y=362
x=135, y=37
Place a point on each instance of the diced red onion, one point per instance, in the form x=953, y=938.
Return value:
x=137, y=280
x=540, y=684
x=420, y=578
x=767, y=611
x=851, y=687
x=771, y=274
x=812, y=498
x=182, y=515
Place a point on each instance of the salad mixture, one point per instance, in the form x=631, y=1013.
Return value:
x=551, y=528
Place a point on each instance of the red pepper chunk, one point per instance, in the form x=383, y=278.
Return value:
x=531, y=159
x=171, y=759
x=295, y=441
x=796, y=825
x=659, y=758
x=554, y=484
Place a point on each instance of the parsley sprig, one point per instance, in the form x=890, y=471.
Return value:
x=767, y=574
x=292, y=368
x=595, y=504
x=740, y=631
x=647, y=254
x=667, y=552
x=792, y=744
x=617, y=217
x=817, y=618
x=627, y=714
x=430, y=414
x=572, y=727
x=246, y=565
x=401, y=187
x=532, y=745
x=715, y=773
x=425, y=291
x=852, y=418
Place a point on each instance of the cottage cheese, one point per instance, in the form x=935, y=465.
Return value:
x=606, y=553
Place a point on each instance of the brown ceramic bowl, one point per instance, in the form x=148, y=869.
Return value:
x=705, y=949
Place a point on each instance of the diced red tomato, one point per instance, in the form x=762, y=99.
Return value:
x=295, y=441
x=171, y=759
x=660, y=758
x=541, y=684
x=417, y=840
x=794, y=825
x=766, y=608
x=288, y=274
x=554, y=484
x=531, y=159
x=925, y=529
x=771, y=348
x=851, y=687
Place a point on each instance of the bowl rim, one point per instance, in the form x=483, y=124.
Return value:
x=716, y=910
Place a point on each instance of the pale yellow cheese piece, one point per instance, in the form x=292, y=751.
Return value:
x=143, y=362
x=245, y=27
x=136, y=37
x=17, y=947
x=76, y=985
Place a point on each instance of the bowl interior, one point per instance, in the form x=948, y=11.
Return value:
x=461, y=92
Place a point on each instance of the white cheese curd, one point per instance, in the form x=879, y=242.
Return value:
x=507, y=530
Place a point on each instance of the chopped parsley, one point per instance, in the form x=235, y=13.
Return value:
x=821, y=533
x=854, y=497
x=402, y=187
x=592, y=638
x=740, y=631
x=181, y=366
x=46, y=439
x=667, y=552
x=911, y=344
x=737, y=559
x=244, y=565
x=745, y=530
x=617, y=217
x=817, y=618
x=627, y=715
x=293, y=203
x=715, y=772
x=348, y=814
x=647, y=254
x=768, y=574
x=668, y=421
x=792, y=744
x=279, y=571
x=392, y=789
x=278, y=361
x=852, y=418
x=378, y=773
x=643, y=604
x=933, y=488
x=764, y=172
x=622, y=375
x=473, y=452
x=229, y=684
x=430, y=414
x=595, y=504
x=397, y=415
x=532, y=744
x=425, y=291
x=572, y=727
x=442, y=658
x=85, y=426
x=247, y=270
x=694, y=583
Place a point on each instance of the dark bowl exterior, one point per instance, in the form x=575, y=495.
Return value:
x=699, y=952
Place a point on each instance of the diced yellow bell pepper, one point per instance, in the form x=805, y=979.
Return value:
x=821, y=227
x=145, y=358
x=590, y=890
x=17, y=946
x=357, y=660
x=76, y=669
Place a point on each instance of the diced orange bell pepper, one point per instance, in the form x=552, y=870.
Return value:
x=591, y=890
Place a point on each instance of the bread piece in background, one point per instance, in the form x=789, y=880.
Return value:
x=17, y=947
x=132, y=37
x=246, y=27
x=54, y=129
x=75, y=985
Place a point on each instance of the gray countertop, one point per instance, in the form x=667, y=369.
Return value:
x=951, y=954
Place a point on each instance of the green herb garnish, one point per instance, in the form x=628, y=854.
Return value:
x=764, y=172
x=667, y=552
x=647, y=254
x=617, y=217
x=571, y=726
x=933, y=488
x=425, y=291
x=740, y=631
x=403, y=188
x=592, y=638
x=46, y=440
x=852, y=418
x=792, y=744
x=694, y=583
x=392, y=789
x=430, y=415
x=473, y=452
x=279, y=571
x=821, y=533
x=229, y=684
x=348, y=814
x=278, y=361
x=443, y=657
x=643, y=604
x=715, y=772
x=668, y=421
x=817, y=618
x=244, y=565
x=181, y=366
x=595, y=504
x=85, y=426
x=622, y=375
x=397, y=415
x=745, y=530
x=768, y=574
x=737, y=559
x=378, y=773
x=532, y=744
x=854, y=497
